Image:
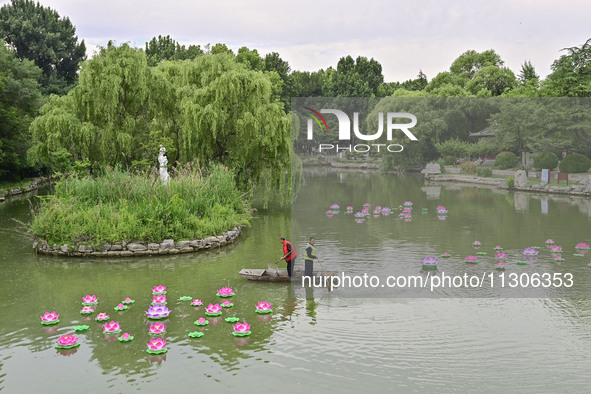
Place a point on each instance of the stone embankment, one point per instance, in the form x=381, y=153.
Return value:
x=136, y=249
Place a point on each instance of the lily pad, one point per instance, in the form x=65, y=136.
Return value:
x=50, y=323
x=521, y=262
x=196, y=334
x=232, y=319
x=578, y=255
x=481, y=253
x=185, y=298
x=150, y=351
x=231, y=304
x=213, y=314
x=81, y=328
x=271, y=310
x=206, y=322
x=60, y=347
x=112, y=332
x=241, y=334
x=225, y=295
x=120, y=309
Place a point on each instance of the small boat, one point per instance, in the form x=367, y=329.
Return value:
x=279, y=275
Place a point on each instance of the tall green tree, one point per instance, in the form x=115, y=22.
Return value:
x=39, y=34
x=354, y=78
x=165, y=48
x=19, y=104
x=571, y=73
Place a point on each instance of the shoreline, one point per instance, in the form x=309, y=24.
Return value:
x=139, y=249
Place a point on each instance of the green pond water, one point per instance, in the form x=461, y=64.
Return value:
x=317, y=340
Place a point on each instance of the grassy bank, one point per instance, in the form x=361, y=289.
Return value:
x=120, y=206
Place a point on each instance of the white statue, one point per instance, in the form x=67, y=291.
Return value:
x=164, y=177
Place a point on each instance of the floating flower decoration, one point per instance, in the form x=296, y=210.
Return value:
x=407, y=210
x=89, y=300
x=159, y=300
x=481, y=253
x=127, y=301
x=81, y=328
x=582, y=246
x=157, y=312
x=213, y=310
x=185, y=298
x=329, y=213
x=359, y=221
x=159, y=290
x=86, y=310
x=241, y=329
x=101, y=316
x=157, y=329
x=197, y=302
x=359, y=215
x=500, y=265
x=263, y=307
x=195, y=334
x=557, y=257
x=556, y=249
x=225, y=292
x=50, y=318
x=442, y=212
x=446, y=255
x=67, y=342
x=408, y=203
x=125, y=337
x=530, y=252
x=202, y=322
x=335, y=206
x=430, y=262
x=156, y=346
x=471, y=259
x=227, y=304
x=498, y=248
x=579, y=255
x=550, y=242
x=366, y=205
x=232, y=319
x=476, y=243
x=500, y=255
x=112, y=327
x=521, y=262
x=120, y=307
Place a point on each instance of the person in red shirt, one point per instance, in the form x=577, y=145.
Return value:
x=289, y=255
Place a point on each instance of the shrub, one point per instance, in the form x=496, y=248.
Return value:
x=454, y=148
x=484, y=171
x=510, y=182
x=545, y=160
x=441, y=163
x=468, y=167
x=506, y=160
x=575, y=162
x=484, y=149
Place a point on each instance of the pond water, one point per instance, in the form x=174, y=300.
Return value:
x=315, y=340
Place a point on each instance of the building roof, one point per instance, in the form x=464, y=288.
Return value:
x=488, y=132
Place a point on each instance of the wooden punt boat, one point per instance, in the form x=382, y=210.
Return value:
x=279, y=275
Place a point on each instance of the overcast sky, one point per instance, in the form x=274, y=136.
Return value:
x=404, y=36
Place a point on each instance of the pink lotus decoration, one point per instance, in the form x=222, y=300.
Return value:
x=128, y=301
x=241, y=329
x=86, y=310
x=159, y=300
x=213, y=310
x=89, y=300
x=550, y=242
x=101, y=316
x=67, y=342
x=430, y=262
x=197, y=302
x=50, y=318
x=349, y=208
x=112, y=327
x=471, y=259
x=227, y=304
x=159, y=290
x=408, y=203
x=157, y=329
x=156, y=346
x=335, y=206
x=583, y=246
x=125, y=337
x=366, y=205
x=157, y=312
x=498, y=247
x=120, y=307
x=407, y=210
x=501, y=255
x=202, y=322
x=263, y=307
x=476, y=243
x=225, y=292
x=500, y=265
x=445, y=255
x=556, y=249
x=329, y=213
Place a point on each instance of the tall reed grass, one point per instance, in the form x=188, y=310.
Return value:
x=121, y=206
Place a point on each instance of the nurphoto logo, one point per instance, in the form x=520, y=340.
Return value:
x=344, y=129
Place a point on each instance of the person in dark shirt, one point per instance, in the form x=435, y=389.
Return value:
x=310, y=256
x=289, y=255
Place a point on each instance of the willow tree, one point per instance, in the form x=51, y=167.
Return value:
x=226, y=115
x=103, y=120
